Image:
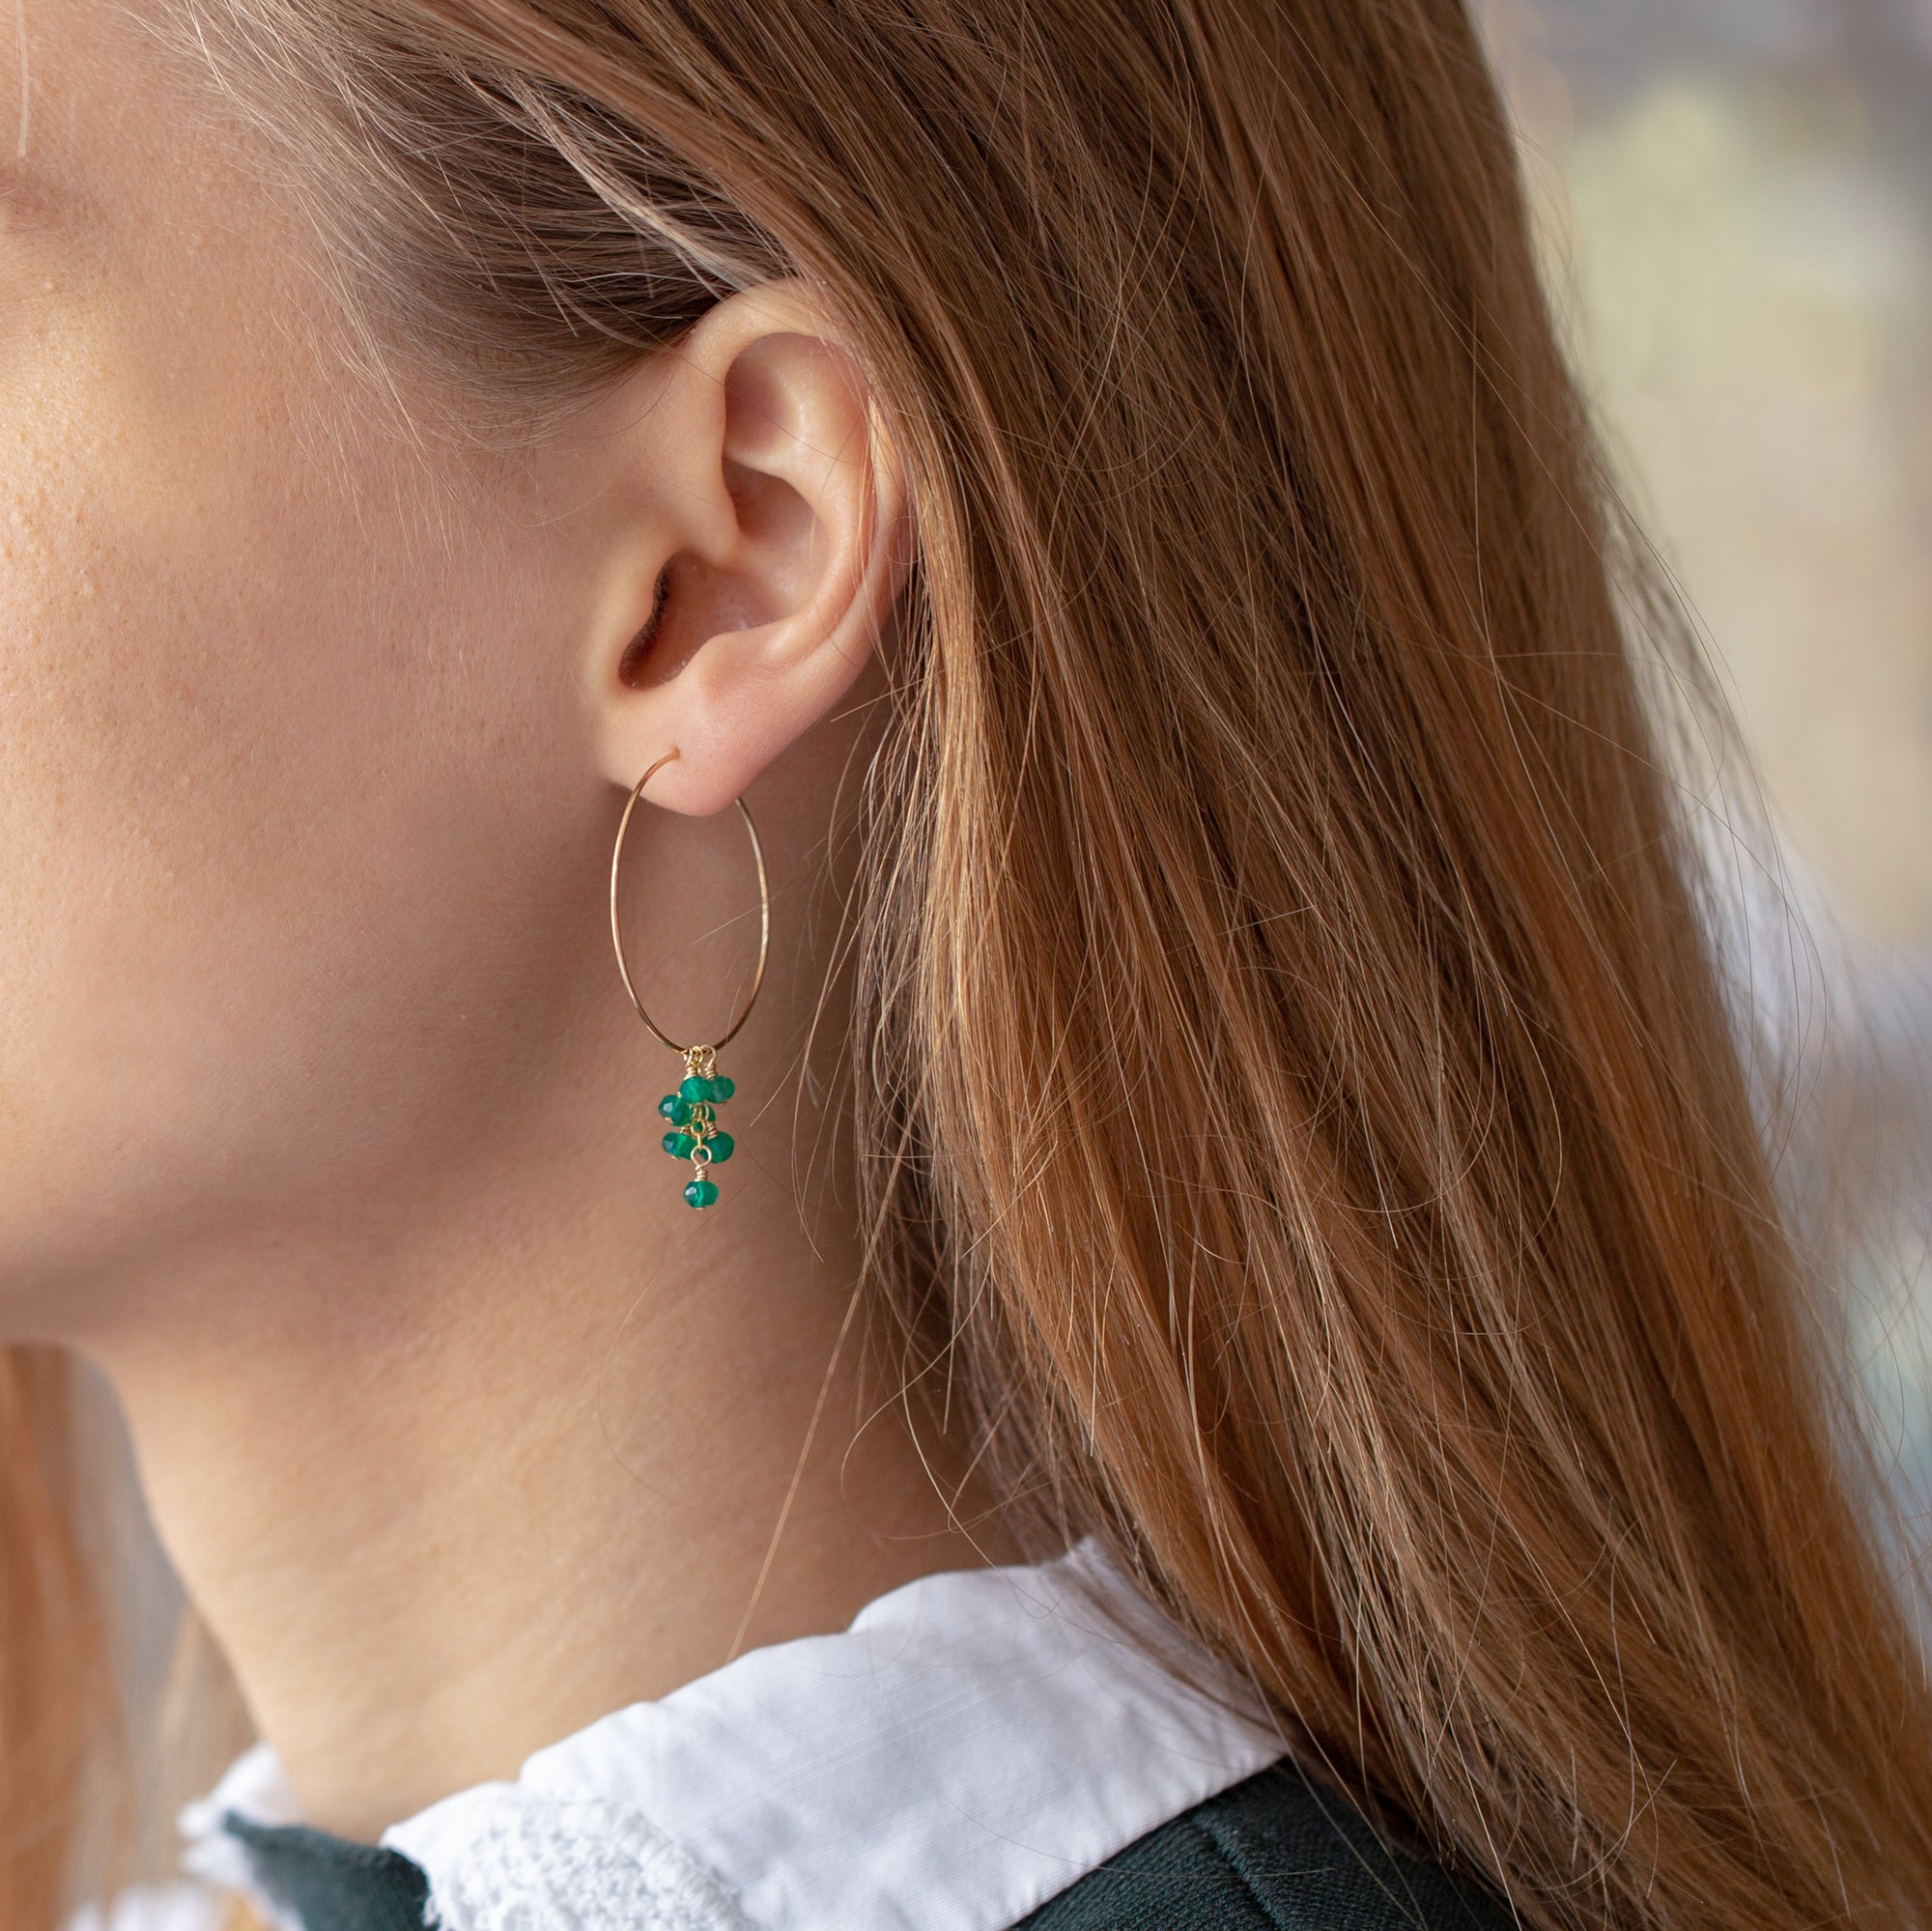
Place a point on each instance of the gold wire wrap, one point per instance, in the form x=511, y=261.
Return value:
x=764, y=920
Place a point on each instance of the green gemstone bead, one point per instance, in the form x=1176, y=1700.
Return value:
x=700, y=1193
x=678, y=1145
x=721, y=1144
x=722, y=1088
x=695, y=1087
x=675, y=1107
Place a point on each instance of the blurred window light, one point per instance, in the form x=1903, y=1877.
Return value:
x=1735, y=203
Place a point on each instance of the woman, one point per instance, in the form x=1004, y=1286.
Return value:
x=1244, y=1368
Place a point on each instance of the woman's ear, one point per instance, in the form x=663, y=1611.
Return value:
x=759, y=546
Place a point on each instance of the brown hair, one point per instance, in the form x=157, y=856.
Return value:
x=1295, y=1098
x=58, y=1712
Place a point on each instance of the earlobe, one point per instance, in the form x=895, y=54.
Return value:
x=776, y=552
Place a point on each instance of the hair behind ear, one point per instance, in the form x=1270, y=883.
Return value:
x=62, y=1760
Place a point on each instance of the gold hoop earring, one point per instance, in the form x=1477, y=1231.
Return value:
x=692, y=1109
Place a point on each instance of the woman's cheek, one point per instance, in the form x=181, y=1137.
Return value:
x=180, y=717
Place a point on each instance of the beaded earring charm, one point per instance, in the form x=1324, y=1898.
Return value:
x=691, y=1111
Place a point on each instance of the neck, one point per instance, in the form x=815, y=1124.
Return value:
x=455, y=1475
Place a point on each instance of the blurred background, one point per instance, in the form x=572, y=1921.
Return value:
x=1734, y=199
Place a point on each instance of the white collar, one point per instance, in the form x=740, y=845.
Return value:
x=974, y=1742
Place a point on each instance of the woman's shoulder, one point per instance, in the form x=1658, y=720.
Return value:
x=1276, y=1852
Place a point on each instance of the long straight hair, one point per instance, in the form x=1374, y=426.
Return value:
x=1296, y=1102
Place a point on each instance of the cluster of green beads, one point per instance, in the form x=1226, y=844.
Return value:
x=696, y=1135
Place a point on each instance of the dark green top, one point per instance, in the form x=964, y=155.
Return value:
x=1276, y=1852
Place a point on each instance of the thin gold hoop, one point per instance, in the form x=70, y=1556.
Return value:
x=731, y=1033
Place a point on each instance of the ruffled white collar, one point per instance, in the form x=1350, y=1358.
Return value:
x=974, y=1742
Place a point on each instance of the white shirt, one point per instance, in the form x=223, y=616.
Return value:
x=972, y=1745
